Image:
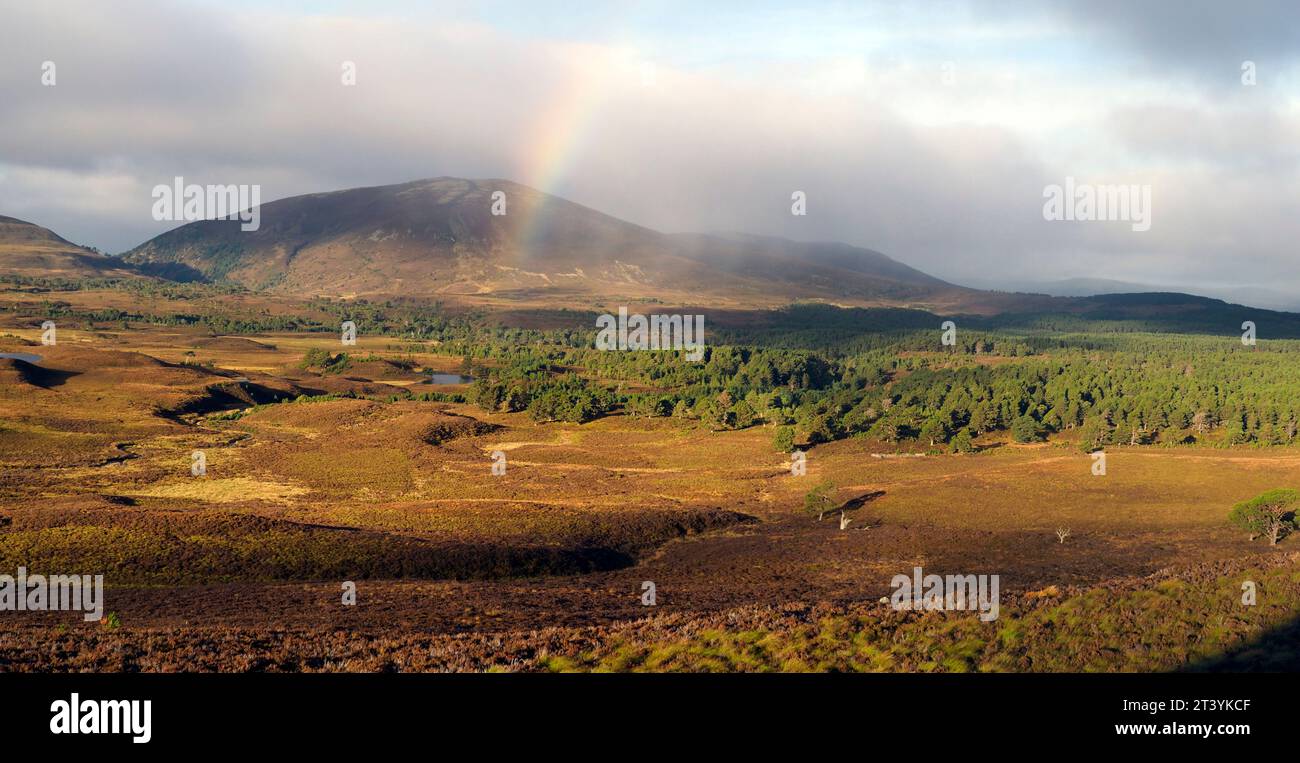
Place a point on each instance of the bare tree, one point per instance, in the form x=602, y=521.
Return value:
x=1062, y=533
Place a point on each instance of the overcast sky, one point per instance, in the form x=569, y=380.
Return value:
x=927, y=131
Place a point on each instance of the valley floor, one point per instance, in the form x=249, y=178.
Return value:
x=542, y=568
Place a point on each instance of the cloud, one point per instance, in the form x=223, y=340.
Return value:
x=1205, y=37
x=929, y=134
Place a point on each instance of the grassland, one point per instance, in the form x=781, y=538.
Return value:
x=314, y=478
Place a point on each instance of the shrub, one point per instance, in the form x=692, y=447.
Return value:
x=783, y=441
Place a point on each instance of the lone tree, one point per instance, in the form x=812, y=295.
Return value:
x=820, y=499
x=1272, y=514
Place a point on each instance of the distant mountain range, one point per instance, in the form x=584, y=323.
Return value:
x=1088, y=287
x=440, y=239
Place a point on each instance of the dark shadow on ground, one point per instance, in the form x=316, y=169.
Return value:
x=34, y=374
x=860, y=501
x=1276, y=650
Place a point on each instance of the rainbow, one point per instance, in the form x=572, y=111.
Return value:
x=560, y=132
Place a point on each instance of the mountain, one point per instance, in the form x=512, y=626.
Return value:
x=439, y=238
x=27, y=249
x=1088, y=287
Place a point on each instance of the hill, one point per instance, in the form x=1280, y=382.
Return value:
x=27, y=249
x=1256, y=296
